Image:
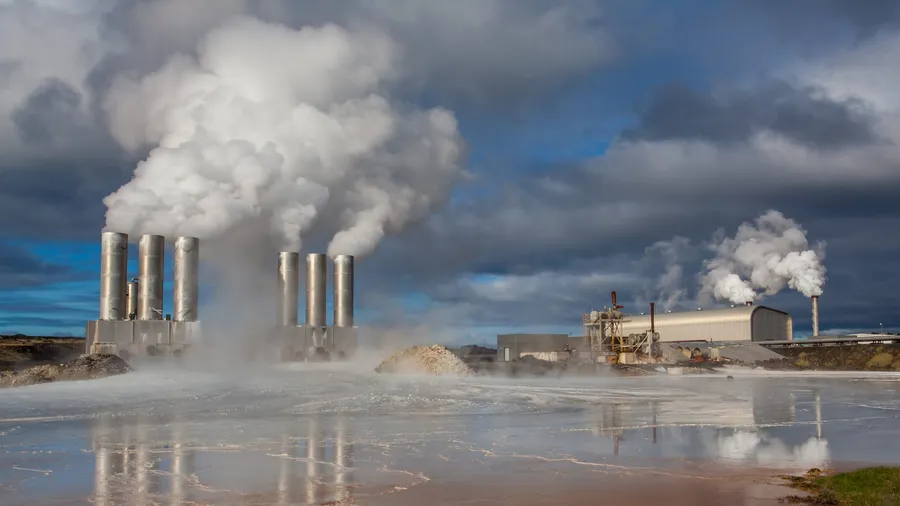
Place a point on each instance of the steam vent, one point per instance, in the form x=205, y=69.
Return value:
x=315, y=339
x=132, y=321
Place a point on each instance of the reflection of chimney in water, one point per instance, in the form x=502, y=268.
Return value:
x=146, y=480
x=287, y=493
x=315, y=453
x=104, y=456
x=182, y=468
x=818, y=416
x=343, y=461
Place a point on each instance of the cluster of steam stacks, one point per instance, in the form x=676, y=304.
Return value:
x=132, y=322
x=131, y=318
x=315, y=338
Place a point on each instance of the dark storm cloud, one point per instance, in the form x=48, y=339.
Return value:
x=49, y=112
x=866, y=17
x=20, y=268
x=801, y=113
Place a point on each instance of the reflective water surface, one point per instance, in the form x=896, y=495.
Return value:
x=337, y=434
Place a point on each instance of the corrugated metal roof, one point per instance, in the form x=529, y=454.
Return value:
x=706, y=316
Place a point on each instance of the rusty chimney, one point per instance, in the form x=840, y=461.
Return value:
x=815, y=315
x=652, y=318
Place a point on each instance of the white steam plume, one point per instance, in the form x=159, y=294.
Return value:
x=763, y=258
x=294, y=127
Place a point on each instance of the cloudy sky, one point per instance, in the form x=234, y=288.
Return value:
x=497, y=165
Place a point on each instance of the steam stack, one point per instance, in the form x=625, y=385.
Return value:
x=151, y=256
x=815, y=315
x=315, y=290
x=343, y=291
x=113, y=276
x=288, y=288
x=132, y=299
x=185, y=295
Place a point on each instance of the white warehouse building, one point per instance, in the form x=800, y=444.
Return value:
x=740, y=323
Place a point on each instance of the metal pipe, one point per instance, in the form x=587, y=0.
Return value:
x=652, y=317
x=132, y=299
x=315, y=289
x=815, y=315
x=343, y=291
x=113, y=275
x=288, y=288
x=186, y=289
x=151, y=255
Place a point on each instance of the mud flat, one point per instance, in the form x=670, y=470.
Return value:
x=85, y=367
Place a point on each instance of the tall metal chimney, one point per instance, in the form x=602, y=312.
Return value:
x=151, y=256
x=815, y=315
x=132, y=299
x=343, y=291
x=652, y=317
x=186, y=290
x=288, y=288
x=113, y=275
x=315, y=289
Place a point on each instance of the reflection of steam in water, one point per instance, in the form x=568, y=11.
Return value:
x=769, y=451
x=617, y=421
x=136, y=464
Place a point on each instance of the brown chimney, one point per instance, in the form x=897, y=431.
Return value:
x=652, y=317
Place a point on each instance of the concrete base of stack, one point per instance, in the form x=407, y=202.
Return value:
x=129, y=339
x=314, y=344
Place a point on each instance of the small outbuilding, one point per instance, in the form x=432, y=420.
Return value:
x=739, y=323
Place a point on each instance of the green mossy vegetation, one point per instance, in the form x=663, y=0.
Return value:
x=872, y=486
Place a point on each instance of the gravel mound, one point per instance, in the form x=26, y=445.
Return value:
x=84, y=367
x=433, y=360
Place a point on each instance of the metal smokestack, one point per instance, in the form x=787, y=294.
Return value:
x=315, y=289
x=132, y=299
x=288, y=288
x=343, y=291
x=113, y=275
x=815, y=315
x=652, y=318
x=185, y=294
x=151, y=256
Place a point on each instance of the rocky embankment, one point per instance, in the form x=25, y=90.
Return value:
x=85, y=367
x=860, y=357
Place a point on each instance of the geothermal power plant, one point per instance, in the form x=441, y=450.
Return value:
x=132, y=321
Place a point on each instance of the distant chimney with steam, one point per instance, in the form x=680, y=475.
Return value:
x=815, y=315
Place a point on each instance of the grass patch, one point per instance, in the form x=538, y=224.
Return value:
x=873, y=486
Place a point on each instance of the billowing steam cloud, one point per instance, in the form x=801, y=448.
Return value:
x=763, y=258
x=296, y=127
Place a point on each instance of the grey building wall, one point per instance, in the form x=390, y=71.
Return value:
x=529, y=343
x=741, y=323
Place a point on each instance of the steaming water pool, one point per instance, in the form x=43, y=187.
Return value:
x=313, y=434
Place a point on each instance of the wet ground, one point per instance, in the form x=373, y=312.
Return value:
x=328, y=433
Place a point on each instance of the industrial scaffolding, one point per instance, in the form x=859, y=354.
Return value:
x=606, y=341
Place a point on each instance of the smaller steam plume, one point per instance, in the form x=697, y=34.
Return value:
x=762, y=259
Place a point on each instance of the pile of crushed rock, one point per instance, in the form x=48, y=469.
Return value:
x=435, y=360
x=85, y=367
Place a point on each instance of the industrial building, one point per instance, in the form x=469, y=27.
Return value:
x=542, y=346
x=132, y=322
x=739, y=323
